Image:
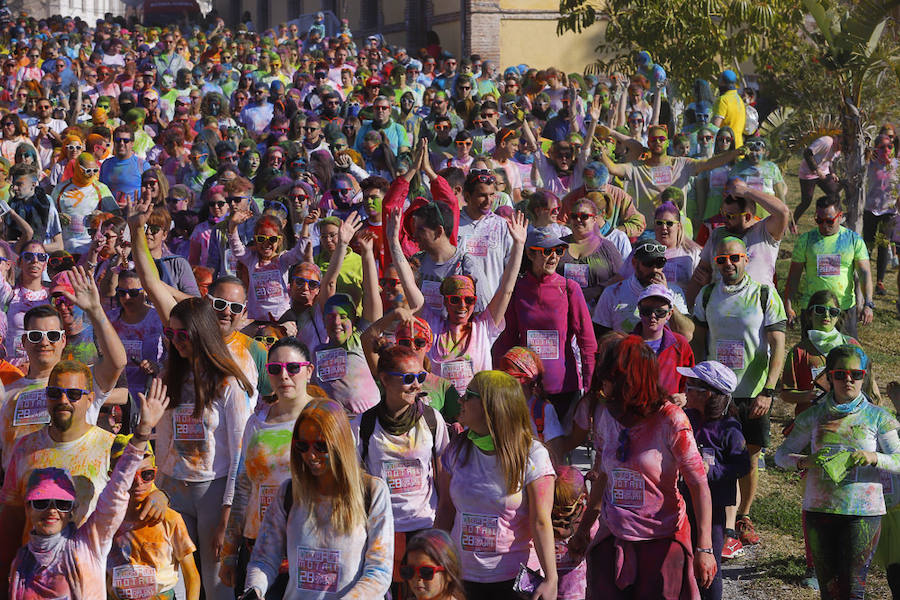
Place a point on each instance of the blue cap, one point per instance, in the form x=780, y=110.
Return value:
x=540, y=238
x=728, y=76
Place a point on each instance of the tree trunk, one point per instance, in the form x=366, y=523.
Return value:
x=855, y=166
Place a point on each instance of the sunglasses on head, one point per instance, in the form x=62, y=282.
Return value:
x=721, y=259
x=457, y=300
x=557, y=250
x=827, y=220
x=172, y=334
x=60, y=505
x=821, y=310
x=220, y=304
x=267, y=239
x=35, y=256
x=302, y=446
x=844, y=374
x=62, y=262
x=409, y=378
x=419, y=343
x=35, y=336
x=658, y=312
x=426, y=572
x=275, y=368
x=130, y=292
x=73, y=394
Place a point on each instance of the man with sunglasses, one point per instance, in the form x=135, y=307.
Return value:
x=828, y=258
x=382, y=121
x=45, y=131
x=741, y=323
x=305, y=314
x=761, y=237
x=258, y=113
x=759, y=173
x=617, y=308
x=122, y=171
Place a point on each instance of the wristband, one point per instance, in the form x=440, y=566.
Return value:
x=869, y=304
x=704, y=550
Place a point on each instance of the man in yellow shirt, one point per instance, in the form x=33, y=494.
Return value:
x=729, y=108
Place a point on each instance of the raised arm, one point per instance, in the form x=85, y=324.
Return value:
x=234, y=240
x=518, y=230
x=414, y=297
x=779, y=213
x=113, y=357
x=719, y=160
x=657, y=100
x=138, y=211
x=371, y=300
x=615, y=169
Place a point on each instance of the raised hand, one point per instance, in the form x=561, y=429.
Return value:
x=349, y=227
x=596, y=108
x=87, y=296
x=241, y=215
x=365, y=241
x=518, y=227
x=137, y=209
x=392, y=225
x=153, y=406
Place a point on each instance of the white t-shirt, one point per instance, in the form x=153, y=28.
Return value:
x=552, y=428
x=762, y=251
x=459, y=364
x=620, y=241
x=491, y=528
x=617, y=307
x=486, y=240
x=405, y=463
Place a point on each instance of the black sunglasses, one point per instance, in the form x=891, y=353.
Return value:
x=302, y=446
x=275, y=368
x=130, y=292
x=419, y=343
x=557, y=250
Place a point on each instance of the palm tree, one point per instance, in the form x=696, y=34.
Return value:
x=854, y=53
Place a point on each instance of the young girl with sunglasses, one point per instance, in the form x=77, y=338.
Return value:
x=28, y=293
x=265, y=457
x=400, y=439
x=334, y=520
x=145, y=558
x=462, y=340
x=845, y=443
x=430, y=567
x=267, y=264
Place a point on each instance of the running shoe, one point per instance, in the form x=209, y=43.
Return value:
x=880, y=289
x=732, y=548
x=746, y=531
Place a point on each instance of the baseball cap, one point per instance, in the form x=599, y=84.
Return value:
x=649, y=249
x=61, y=284
x=713, y=374
x=656, y=290
x=543, y=239
x=341, y=302
x=728, y=76
x=50, y=483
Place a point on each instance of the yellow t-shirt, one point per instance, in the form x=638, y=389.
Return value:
x=731, y=108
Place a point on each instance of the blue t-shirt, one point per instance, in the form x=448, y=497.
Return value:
x=123, y=175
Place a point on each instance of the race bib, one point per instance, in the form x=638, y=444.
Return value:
x=887, y=483
x=478, y=246
x=756, y=183
x=31, y=409
x=267, y=285
x=266, y=494
x=730, y=353
x=577, y=272
x=662, y=176
x=459, y=373
x=133, y=349
x=402, y=475
x=432, y=292
x=828, y=265
x=627, y=488
x=709, y=456
x=478, y=533
x=544, y=342
x=188, y=428
x=134, y=582
x=318, y=570
x=331, y=364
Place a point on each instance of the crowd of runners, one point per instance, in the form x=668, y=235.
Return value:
x=291, y=315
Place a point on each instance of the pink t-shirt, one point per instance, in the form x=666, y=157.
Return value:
x=824, y=154
x=642, y=501
x=491, y=528
x=459, y=362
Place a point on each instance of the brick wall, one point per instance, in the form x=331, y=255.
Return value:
x=483, y=28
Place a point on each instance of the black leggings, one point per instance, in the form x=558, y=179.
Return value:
x=842, y=549
x=871, y=225
x=499, y=590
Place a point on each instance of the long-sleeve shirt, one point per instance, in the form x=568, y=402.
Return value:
x=78, y=571
x=324, y=563
x=822, y=427
x=545, y=314
x=269, y=292
x=724, y=451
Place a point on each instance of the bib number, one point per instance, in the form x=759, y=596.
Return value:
x=331, y=365
x=478, y=533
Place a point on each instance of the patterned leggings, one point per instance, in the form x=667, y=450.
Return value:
x=842, y=549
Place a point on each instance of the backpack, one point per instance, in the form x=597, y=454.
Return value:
x=367, y=428
x=538, y=410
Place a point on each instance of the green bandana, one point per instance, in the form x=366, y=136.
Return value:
x=485, y=443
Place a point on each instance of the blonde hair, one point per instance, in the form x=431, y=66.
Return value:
x=509, y=424
x=348, y=506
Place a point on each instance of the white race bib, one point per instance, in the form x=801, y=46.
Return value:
x=267, y=285
x=31, y=409
x=134, y=582
x=545, y=343
x=828, y=265
x=318, y=569
x=627, y=488
x=478, y=533
x=577, y=272
x=730, y=353
x=403, y=476
x=331, y=365
x=459, y=373
x=187, y=427
x=662, y=176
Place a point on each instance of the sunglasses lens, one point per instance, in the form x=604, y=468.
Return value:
x=407, y=572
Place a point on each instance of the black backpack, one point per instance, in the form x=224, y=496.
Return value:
x=367, y=428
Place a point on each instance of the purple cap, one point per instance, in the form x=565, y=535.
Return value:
x=50, y=484
x=713, y=374
x=657, y=290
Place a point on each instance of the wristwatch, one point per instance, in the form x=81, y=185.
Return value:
x=770, y=392
x=869, y=304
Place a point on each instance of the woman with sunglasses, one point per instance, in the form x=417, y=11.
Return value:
x=29, y=292
x=400, y=439
x=335, y=519
x=845, y=443
x=13, y=134
x=73, y=144
x=710, y=187
x=644, y=445
x=544, y=208
x=267, y=264
x=499, y=483
x=463, y=339
x=140, y=329
x=77, y=198
x=430, y=567
x=266, y=458
x=545, y=313
x=60, y=559
x=463, y=159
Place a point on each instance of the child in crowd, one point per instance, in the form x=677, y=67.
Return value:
x=722, y=445
x=144, y=559
x=430, y=567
